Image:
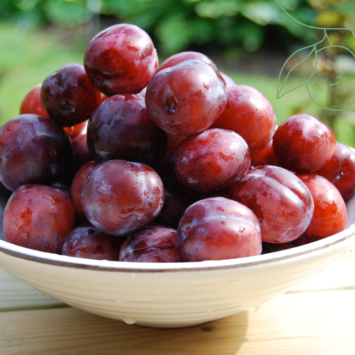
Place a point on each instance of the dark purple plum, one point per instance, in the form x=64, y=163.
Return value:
x=68, y=95
x=85, y=241
x=218, y=228
x=121, y=129
x=33, y=149
x=119, y=197
x=152, y=244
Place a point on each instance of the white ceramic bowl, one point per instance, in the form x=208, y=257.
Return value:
x=173, y=294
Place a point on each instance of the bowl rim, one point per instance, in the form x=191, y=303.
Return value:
x=338, y=241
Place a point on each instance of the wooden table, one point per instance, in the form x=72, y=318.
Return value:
x=318, y=317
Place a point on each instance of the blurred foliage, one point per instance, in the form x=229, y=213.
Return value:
x=175, y=24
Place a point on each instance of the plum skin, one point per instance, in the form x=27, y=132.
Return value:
x=152, y=244
x=76, y=186
x=280, y=200
x=121, y=60
x=249, y=113
x=38, y=217
x=210, y=162
x=121, y=129
x=33, y=149
x=340, y=170
x=218, y=228
x=303, y=143
x=330, y=214
x=186, y=99
x=68, y=96
x=182, y=56
x=265, y=157
x=119, y=197
x=85, y=241
x=31, y=103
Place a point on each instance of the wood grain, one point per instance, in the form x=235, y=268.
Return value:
x=16, y=295
x=303, y=323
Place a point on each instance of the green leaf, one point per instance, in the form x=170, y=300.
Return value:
x=306, y=60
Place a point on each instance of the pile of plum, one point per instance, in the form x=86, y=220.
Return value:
x=121, y=160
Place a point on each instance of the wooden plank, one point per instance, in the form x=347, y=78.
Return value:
x=14, y=294
x=303, y=323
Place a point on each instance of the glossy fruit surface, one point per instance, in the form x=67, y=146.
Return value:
x=279, y=199
x=121, y=129
x=32, y=102
x=302, y=143
x=228, y=80
x=119, y=197
x=210, y=162
x=38, y=217
x=174, y=207
x=76, y=186
x=85, y=241
x=68, y=95
x=121, y=60
x=218, y=228
x=340, y=170
x=265, y=157
x=182, y=56
x=249, y=113
x=330, y=213
x=152, y=244
x=33, y=149
x=186, y=99
x=77, y=130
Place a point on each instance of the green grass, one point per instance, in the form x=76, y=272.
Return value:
x=28, y=57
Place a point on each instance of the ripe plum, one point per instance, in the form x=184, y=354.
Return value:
x=121, y=60
x=218, y=228
x=279, y=199
x=121, y=129
x=33, y=149
x=340, y=170
x=265, y=157
x=182, y=56
x=85, y=241
x=228, y=80
x=152, y=244
x=209, y=163
x=186, y=99
x=38, y=217
x=119, y=197
x=68, y=95
x=32, y=102
x=249, y=113
x=76, y=186
x=304, y=144
x=330, y=214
